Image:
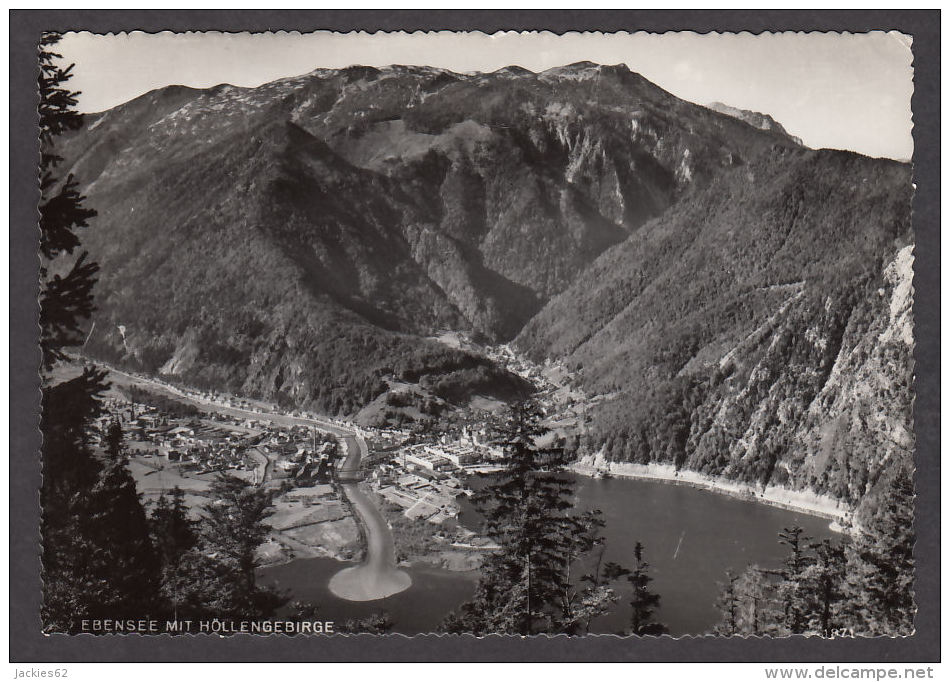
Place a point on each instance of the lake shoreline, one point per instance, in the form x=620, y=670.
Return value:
x=773, y=496
x=692, y=539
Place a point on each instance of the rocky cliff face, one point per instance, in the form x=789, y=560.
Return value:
x=753, y=118
x=498, y=189
x=717, y=281
x=759, y=330
x=858, y=431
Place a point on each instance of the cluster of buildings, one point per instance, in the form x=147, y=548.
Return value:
x=420, y=494
x=265, y=450
x=447, y=457
x=202, y=448
x=195, y=445
x=564, y=405
x=507, y=358
x=425, y=479
x=297, y=453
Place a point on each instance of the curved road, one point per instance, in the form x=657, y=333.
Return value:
x=377, y=576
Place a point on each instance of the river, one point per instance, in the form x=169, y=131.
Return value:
x=377, y=576
x=690, y=537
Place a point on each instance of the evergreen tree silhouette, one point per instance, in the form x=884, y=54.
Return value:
x=70, y=471
x=880, y=566
x=66, y=280
x=791, y=587
x=119, y=564
x=823, y=585
x=526, y=508
x=644, y=601
x=729, y=604
x=114, y=440
x=217, y=577
x=174, y=536
x=98, y=559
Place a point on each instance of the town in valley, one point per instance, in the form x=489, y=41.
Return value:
x=178, y=437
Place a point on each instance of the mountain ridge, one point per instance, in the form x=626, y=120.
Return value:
x=719, y=353
x=298, y=240
x=755, y=119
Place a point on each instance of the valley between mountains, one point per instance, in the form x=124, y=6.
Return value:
x=734, y=304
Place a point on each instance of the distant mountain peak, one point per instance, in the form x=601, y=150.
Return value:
x=755, y=119
x=583, y=64
x=575, y=71
x=402, y=199
x=513, y=70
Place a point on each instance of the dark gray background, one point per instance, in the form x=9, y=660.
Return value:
x=27, y=644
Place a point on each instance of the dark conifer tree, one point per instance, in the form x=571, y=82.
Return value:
x=68, y=463
x=235, y=525
x=217, y=577
x=70, y=470
x=66, y=287
x=791, y=588
x=174, y=536
x=121, y=570
x=729, y=605
x=173, y=532
x=114, y=440
x=822, y=584
x=644, y=601
x=101, y=564
x=748, y=605
x=756, y=592
x=880, y=566
x=526, y=507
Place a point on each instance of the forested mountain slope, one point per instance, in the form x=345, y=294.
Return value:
x=741, y=301
x=759, y=330
x=293, y=240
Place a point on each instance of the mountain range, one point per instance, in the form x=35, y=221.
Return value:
x=740, y=302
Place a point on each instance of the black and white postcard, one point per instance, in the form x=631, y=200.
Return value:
x=480, y=334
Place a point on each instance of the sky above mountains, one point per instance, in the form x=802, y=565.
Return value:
x=844, y=91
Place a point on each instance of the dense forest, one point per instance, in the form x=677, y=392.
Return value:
x=861, y=587
x=104, y=554
x=742, y=306
x=760, y=330
x=741, y=302
x=293, y=241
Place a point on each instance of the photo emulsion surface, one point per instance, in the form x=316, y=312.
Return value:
x=455, y=333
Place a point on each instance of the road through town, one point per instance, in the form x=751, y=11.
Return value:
x=377, y=576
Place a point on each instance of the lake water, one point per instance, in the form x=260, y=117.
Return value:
x=434, y=593
x=690, y=538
